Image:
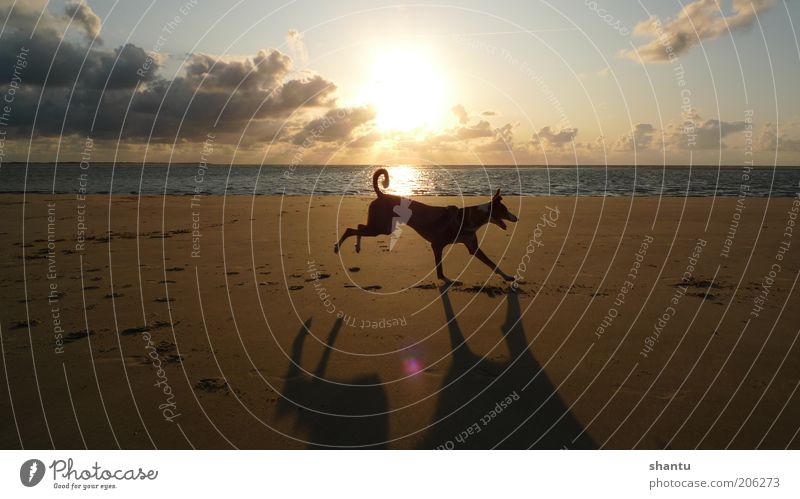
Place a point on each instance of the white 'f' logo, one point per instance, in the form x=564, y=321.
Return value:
x=403, y=213
x=31, y=472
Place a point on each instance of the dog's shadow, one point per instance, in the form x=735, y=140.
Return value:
x=345, y=413
x=509, y=404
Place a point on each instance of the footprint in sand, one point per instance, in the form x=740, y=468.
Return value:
x=354, y=269
x=165, y=346
x=426, y=286
x=211, y=385
x=173, y=359
x=24, y=324
x=135, y=330
x=319, y=276
x=295, y=287
x=76, y=335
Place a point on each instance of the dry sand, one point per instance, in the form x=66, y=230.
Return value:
x=240, y=330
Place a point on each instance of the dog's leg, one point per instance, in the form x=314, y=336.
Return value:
x=472, y=247
x=361, y=228
x=362, y=231
x=488, y=261
x=437, y=256
x=370, y=230
x=347, y=233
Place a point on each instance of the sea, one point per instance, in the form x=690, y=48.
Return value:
x=291, y=180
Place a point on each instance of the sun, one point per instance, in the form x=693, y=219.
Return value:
x=407, y=89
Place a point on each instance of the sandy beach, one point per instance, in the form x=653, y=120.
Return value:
x=213, y=322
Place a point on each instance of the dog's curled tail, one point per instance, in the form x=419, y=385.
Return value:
x=375, y=176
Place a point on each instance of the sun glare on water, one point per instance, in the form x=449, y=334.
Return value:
x=403, y=180
x=407, y=89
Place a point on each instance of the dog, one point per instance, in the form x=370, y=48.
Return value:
x=439, y=225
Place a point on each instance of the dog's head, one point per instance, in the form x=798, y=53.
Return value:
x=500, y=212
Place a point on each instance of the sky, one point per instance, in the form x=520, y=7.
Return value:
x=357, y=82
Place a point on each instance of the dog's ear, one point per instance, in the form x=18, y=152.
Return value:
x=497, y=195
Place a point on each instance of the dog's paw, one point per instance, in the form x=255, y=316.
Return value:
x=358, y=248
x=336, y=248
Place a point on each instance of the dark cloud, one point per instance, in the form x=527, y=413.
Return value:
x=550, y=137
x=264, y=72
x=641, y=137
x=337, y=125
x=695, y=132
x=57, y=62
x=74, y=88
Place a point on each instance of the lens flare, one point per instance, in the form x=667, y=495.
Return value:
x=411, y=366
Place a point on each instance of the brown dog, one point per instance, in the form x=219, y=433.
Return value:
x=439, y=225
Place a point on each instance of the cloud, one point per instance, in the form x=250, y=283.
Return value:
x=503, y=139
x=118, y=93
x=475, y=131
x=61, y=63
x=770, y=140
x=695, y=132
x=85, y=17
x=294, y=40
x=557, y=139
x=489, y=113
x=641, y=137
x=24, y=15
x=466, y=132
x=470, y=138
x=75, y=89
x=263, y=72
x=337, y=125
x=162, y=109
x=366, y=140
x=698, y=21
x=461, y=113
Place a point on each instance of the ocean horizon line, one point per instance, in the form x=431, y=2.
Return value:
x=390, y=165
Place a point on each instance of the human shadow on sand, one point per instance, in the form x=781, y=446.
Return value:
x=485, y=404
x=345, y=413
